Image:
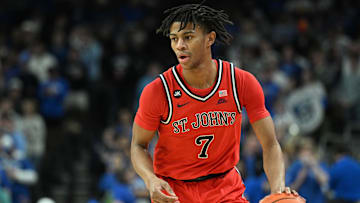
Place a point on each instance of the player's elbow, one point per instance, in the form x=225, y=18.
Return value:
x=270, y=145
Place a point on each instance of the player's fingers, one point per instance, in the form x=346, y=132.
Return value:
x=161, y=197
x=287, y=190
x=294, y=192
x=168, y=189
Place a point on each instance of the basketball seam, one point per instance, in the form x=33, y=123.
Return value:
x=283, y=199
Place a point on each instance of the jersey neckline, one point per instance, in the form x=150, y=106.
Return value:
x=189, y=90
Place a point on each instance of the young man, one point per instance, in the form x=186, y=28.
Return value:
x=196, y=107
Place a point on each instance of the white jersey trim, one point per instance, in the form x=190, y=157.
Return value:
x=233, y=82
x=168, y=96
x=188, y=92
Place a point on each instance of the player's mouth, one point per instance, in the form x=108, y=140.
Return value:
x=183, y=58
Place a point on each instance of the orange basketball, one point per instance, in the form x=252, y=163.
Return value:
x=283, y=198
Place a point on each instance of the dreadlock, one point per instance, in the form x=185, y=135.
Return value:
x=211, y=19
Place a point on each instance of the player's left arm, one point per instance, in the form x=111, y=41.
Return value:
x=272, y=155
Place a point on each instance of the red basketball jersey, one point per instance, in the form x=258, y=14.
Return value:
x=199, y=132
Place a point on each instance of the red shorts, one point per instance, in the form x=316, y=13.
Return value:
x=224, y=188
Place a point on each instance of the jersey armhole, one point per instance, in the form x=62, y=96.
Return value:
x=234, y=87
x=168, y=97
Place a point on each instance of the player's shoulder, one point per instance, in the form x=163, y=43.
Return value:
x=153, y=92
x=243, y=73
x=156, y=83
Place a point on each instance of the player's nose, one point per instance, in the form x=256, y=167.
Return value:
x=180, y=45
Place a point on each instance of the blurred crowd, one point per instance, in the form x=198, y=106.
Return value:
x=71, y=73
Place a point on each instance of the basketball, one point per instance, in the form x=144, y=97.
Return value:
x=283, y=198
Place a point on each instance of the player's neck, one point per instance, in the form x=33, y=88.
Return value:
x=201, y=77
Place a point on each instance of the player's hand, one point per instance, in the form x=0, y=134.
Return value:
x=287, y=190
x=161, y=192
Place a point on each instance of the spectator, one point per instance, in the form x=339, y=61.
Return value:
x=10, y=67
x=14, y=92
x=22, y=175
x=34, y=129
x=323, y=70
x=271, y=89
x=137, y=186
x=256, y=183
x=257, y=188
x=123, y=125
x=284, y=121
x=19, y=144
x=90, y=50
x=7, y=107
x=250, y=36
x=344, y=176
x=29, y=81
x=18, y=168
x=40, y=61
x=307, y=174
x=347, y=96
x=250, y=154
x=52, y=93
x=115, y=182
x=107, y=146
x=58, y=46
x=289, y=64
x=5, y=183
x=76, y=73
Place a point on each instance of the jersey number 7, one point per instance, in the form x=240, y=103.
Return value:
x=204, y=141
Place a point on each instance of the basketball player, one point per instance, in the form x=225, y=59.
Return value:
x=196, y=107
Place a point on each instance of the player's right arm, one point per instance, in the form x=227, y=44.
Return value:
x=143, y=165
x=145, y=125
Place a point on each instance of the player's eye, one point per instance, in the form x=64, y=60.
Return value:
x=173, y=38
x=188, y=37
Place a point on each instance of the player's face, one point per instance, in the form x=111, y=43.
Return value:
x=191, y=45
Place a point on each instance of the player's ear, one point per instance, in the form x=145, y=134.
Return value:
x=211, y=36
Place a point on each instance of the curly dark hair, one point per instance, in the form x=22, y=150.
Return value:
x=198, y=14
